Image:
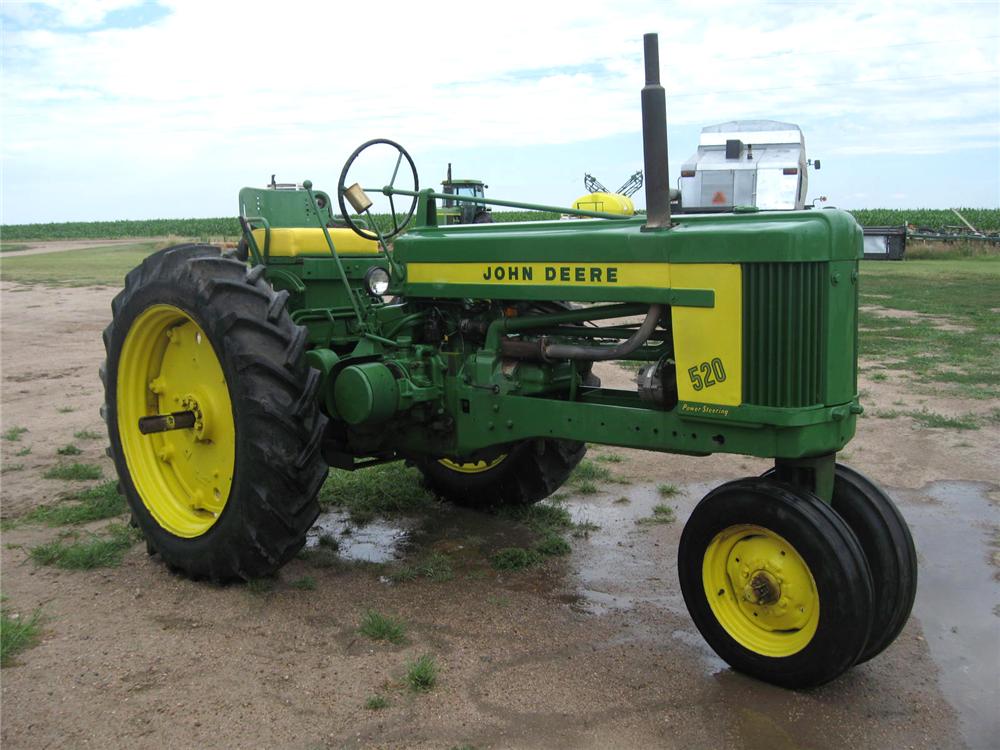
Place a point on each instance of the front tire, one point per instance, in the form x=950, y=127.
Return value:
x=518, y=474
x=233, y=496
x=776, y=583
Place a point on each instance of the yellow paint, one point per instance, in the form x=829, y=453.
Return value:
x=310, y=241
x=472, y=467
x=649, y=275
x=609, y=203
x=779, y=616
x=184, y=477
x=710, y=340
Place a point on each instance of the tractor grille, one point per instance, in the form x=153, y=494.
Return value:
x=784, y=305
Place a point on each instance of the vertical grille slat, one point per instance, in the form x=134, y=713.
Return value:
x=782, y=318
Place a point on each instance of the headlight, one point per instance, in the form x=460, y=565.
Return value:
x=377, y=281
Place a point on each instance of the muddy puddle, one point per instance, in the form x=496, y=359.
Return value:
x=955, y=528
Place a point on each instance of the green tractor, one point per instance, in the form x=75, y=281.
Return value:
x=236, y=379
x=464, y=202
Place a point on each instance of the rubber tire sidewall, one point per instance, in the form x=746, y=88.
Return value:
x=232, y=547
x=827, y=546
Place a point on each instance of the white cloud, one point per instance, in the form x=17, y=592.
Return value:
x=208, y=89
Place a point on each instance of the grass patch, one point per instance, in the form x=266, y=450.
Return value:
x=661, y=514
x=92, y=504
x=12, y=247
x=926, y=418
x=17, y=634
x=305, y=583
x=667, y=489
x=540, y=517
x=7, y=468
x=376, y=702
x=25, y=451
x=72, y=553
x=69, y=450
x=88, y=435
x=381, y=627
x=328, y=541
x=553, y=545
x=422, y=673
x=75, y=471
x=878, y=376
x=610, y=458
x=515, y=558
x=435, y=567
x=622, y=501
x=14, y=433
x=378, y=490
x=588, y=470
x=88, y=267
x=959, y=292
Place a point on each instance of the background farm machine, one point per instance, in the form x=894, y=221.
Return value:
x=234, y=380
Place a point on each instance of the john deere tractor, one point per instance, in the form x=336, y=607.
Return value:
x=236, y=379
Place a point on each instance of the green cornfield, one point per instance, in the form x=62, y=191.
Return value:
x=227, y=228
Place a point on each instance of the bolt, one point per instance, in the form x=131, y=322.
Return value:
x=510, y=424
x=157, y=386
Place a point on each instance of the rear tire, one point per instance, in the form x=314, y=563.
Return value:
x=523, y=473
x=266, y=454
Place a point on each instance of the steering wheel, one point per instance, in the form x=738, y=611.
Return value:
x=397, y=225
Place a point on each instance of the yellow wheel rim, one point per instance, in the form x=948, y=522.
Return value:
x=472, y=467
x=183, y=476
x=761, y=590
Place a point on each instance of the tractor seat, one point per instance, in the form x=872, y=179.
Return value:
x=291, y=242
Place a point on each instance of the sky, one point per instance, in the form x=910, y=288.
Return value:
x=117, y=109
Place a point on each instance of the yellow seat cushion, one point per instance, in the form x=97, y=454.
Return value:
x=292, y=242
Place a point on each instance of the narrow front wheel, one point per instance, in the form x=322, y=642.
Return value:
x=776, y=583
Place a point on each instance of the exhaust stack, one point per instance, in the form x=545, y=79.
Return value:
x=654, y=140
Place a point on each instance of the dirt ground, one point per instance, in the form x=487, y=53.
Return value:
x=595, y=650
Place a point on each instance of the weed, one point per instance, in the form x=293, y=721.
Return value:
x=92, y=504
x=14, y=433
x=932, y=419
x=329, y=541
x=321, y=557
x=587, y=470
x=389, y=488
x=75, y=471
x=585, y=488
x=88, y=435
x=305, y=583
x=540, y=516
x=667, y=490
x=514, y=558
x=69, y=450
x=65, y=409
x=376, y=702
x=435, y=567
x=7, y=468
x=25, y=451
x=94, y=552
x=661, y=514
x=609, y=458
x=553, y=544
x=878, y=376
x=16, y=634
x=380, y=627
x=583, y=529
x=422, y=673
x=622, y=501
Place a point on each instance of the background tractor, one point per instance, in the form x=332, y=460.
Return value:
x=234, y=380
x=470, y=209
